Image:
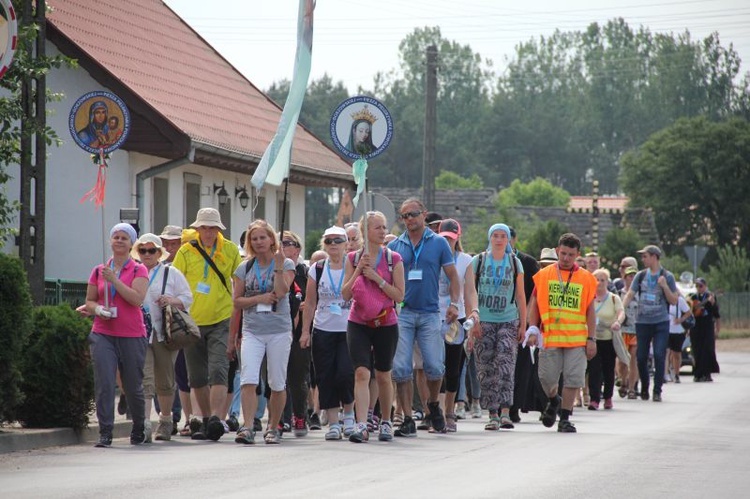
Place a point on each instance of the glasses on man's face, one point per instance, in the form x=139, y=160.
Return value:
x=289, y=244
x=410, y=214
x=150, y=251
x=335, y=240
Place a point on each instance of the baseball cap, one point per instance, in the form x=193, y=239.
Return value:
x=450, y=228
x=335, y=231
x=631, y=271
x=651, y=249
x=431, y=217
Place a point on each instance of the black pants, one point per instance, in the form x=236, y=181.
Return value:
x=298, y=379
x=334, y=372
x=454, y=363
x=602, y=367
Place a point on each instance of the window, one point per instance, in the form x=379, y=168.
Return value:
x=192, y=198
x=160, y=204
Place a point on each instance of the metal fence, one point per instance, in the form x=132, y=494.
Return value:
x=62, y=291
x=735, y=309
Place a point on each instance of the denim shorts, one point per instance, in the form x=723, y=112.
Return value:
x=423, y=329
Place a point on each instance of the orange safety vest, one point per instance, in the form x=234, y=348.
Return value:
x=563, y=308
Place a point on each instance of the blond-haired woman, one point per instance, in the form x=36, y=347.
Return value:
x=261, y=288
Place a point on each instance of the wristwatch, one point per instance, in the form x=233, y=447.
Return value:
x=591, y=339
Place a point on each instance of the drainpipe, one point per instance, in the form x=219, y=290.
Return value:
x=156, y=170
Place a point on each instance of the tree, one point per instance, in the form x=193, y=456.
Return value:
x=733, y=271
x=620, y=243
x=545, y=235
x=452, y=180
x=538, y=192
x=690, y=174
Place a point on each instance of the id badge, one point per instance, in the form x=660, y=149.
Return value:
x=203, y=288
x=113, y=311
x=335, y=309
x=265, y=307
x=649, y=297
x=415, y=275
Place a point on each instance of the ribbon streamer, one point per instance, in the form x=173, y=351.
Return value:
x=359, y=171
x=99, y=191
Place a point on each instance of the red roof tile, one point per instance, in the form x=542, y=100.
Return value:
x=153, y=52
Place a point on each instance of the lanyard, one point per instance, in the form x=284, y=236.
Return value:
x=205, y=263
x=112, y=266
x=377, y=260
x=337, y=290
x=153, y=276
x=416, y=250
x=652, y=279
x=262, y=283
x=565, y=288
x=604, y=302
x=497, y=281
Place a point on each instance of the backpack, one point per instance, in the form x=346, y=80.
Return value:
x=688, y=323
x=480, y=263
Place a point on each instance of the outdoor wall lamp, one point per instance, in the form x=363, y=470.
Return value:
x=241, y=194
x=222, y=194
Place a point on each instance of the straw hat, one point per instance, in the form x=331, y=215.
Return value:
x=548, y=255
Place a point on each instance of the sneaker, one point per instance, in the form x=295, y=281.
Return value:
x=460, y=410
x=164, y=429
x=137, y=437
x=476, y=410
x=232, y=424
x=667, y=378
x=245, y=436
x=450, y=423
x=197, y=430
x=656, y=397
x=334, y=432
x=272, y=437
x=386, y=431
x=550, y=412
x=565, y=426
x=407, y=429
x=425, y=423
x=632, y=395
x=418, y=415
x=373, y=422
x=226, y=426
x=300, y=426
x=148, y=432
x=105, y=441
x=175, y=428
x=257, y=425
x=644, y=394
x=360, y=434
x=608, y=403
x=323, y=419
x=677, y=378
x=315, y=423
x=284, y=427
x=593, y=405
x=437, y=418
x=348, y=424
x=214, y=428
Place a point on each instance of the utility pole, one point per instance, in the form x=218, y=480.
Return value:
x=595, y=216
x=33, y=158
x=430, y=128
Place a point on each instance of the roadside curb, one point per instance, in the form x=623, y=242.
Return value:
x=24, y=440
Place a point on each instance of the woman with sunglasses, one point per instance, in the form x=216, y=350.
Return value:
x=165, y=287
x=326, y=313
x=261, y=288
x=114, y=296
x=374, y=285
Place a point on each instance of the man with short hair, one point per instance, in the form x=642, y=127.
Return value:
x=171, y=240
x=593, y=262
x=424, y=254
x=207, y=363
x=562, y=306
x=655, y=289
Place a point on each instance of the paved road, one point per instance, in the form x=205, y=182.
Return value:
x=694, y=444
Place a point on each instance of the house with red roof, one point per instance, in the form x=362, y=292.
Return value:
x=198, y=131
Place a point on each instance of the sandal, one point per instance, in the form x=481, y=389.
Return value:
x=493, y=425
x=272, y=437
x=623, y=392
x=186, y=431
x=506, y=423
x=632, y=395
x=398, y=419
x=450, y=423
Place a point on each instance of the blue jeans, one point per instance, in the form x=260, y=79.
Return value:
x=469, y=372
x=645, y=334
x=424, y=329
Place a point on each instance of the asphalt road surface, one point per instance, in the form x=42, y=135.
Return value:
x=695, y=444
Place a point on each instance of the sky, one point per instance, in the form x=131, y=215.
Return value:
x=354, y=39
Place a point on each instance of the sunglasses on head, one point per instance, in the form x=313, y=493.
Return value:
x=410, y=214
x=150, y=251
x=288, y=244
x=335, y=240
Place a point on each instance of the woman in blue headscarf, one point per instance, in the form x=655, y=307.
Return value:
x=95, y=133
x=497, y=297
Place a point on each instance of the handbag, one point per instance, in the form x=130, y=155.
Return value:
x=180, y=329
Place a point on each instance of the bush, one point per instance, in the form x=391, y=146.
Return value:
x=15, y=327
x=58, y=376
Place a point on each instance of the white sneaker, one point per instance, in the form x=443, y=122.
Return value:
x=147, y=431
x=476, y=410
x=460, y=410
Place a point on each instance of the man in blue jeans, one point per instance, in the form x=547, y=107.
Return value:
x=424, y=254
x=654, y=289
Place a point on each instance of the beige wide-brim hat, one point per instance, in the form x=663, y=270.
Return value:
x=208, y=217
x=171, y=232
x=548, y=255
x=145, y=239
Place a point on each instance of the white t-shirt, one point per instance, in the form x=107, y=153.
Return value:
x=444, y=291
x=684, y=307
x=332, y=312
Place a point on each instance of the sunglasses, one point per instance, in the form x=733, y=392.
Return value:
x=150, y=251
x=335, y=240
x=288, y=244
x=410, y=214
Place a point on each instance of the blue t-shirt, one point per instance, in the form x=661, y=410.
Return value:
x=496, y=288
x=653, y=306
x=429, y=256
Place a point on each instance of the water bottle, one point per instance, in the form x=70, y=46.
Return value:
x=468, y=324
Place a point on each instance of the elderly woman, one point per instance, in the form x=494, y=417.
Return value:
x=498, y=297
x=166, y=286
x=261, y=288
x=629, y=376
x=326, y=314
x=114, y=296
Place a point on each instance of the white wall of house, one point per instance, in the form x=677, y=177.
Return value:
x=77, y=234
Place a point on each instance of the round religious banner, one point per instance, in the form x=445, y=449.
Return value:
x=361, y=127
x=99, y=122
x=8, y=35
